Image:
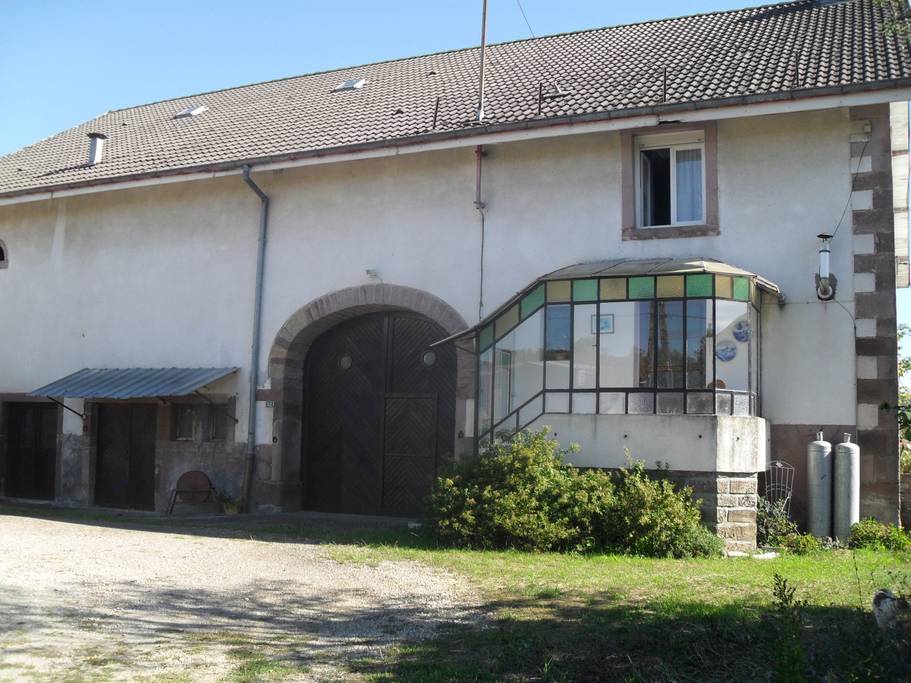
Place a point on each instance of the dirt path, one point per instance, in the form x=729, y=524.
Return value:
x=86, y=602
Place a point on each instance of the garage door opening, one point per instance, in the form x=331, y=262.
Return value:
x=125, y=460
x=379, y=414
x=31, y=452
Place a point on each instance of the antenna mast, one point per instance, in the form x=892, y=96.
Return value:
x=480, y=112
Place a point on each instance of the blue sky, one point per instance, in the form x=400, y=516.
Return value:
x=63, y=62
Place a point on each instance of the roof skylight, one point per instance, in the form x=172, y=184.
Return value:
x=351, y=84
x=193, y=110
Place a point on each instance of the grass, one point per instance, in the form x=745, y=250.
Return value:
x=551, y=617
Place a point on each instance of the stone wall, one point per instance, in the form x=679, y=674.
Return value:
x=728, y=503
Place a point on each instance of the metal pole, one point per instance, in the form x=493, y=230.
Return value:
x=480, y=112
x=254, y=346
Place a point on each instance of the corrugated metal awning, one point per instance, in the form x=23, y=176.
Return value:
x=132, y=382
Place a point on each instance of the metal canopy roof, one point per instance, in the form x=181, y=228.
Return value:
x=625, y=268
x=132, y=382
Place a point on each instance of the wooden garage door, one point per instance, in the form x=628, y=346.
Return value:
x=31, y=451
x=379, y=415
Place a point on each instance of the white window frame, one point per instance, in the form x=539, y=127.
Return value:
x=675, y=142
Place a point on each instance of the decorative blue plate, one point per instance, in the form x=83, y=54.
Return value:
x=725, y=351
x=742, y=331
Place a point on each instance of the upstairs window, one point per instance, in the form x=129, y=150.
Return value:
x=670, y=179
x=4, y=257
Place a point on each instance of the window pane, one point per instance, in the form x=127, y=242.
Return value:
x=741, y=404
x=754, y=350
x=612, y=403
x=556, y=402
x=699, y=403
x=689, y=185
x=627, y=346
x=641, y=403
x=518, y=357
x=557, y=347
x=670, y=404
x=645, y=344
x=585, y=290
x=699, y=342
x=558, y=290
x=699, y=284
x=585, y=327
x=485, y=377
x=534, y=409
x=723, y=403
x=584, y=403
x=641, y=287
x=732, y=337
x=655, y=179
x=532, y=301
x=613, y=288
x=670, y=345
x=670, y=286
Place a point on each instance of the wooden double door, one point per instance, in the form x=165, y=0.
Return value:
x=125, y=460
x=379, y=414
x=31, y=452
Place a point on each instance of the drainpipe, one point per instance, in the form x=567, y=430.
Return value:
x=480, y=206
x=254, y=346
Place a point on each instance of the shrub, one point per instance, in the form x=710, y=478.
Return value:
x=521, y=494
x=874, y=535
x=772, y=523
x=651, y=517
x=800, y=544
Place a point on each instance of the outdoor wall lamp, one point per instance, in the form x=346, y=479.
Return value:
x=825, y=281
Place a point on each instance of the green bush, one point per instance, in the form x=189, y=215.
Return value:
x=772, y=523
x=521, y=494
x=800, y=544
x=874, y=535
x=650, y=517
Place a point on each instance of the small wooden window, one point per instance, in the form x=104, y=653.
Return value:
x=199, y=422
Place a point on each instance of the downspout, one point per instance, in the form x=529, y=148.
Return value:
x=479, y=205
x=254, y=346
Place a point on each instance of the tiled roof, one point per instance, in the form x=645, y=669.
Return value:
x=801, y=48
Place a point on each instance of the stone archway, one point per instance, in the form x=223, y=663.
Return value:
x=286, y=371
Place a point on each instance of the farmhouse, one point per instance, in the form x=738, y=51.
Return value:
x=320, y=290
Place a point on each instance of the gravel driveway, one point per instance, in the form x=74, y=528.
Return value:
x=81, y=601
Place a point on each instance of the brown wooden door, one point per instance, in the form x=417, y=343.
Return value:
x=31, y=454
x=125, y=463
x=379, y=415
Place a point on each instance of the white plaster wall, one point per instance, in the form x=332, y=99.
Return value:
x=697, y=443
x=163, y=276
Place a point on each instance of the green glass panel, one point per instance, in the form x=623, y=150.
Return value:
x=641, y=287
x=699, y=285
x=585, y=290
x=558, y=291
x=741, y=289
x=486, y=337
x=532, y=301
x=613, y=288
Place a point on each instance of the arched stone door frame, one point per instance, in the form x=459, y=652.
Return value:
x=286, y=372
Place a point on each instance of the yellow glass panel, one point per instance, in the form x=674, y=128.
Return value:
x=559, y=290
x=507, y=321
x=613, y=288
x=723, y=287
x=670, y=286
x=754, y=295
